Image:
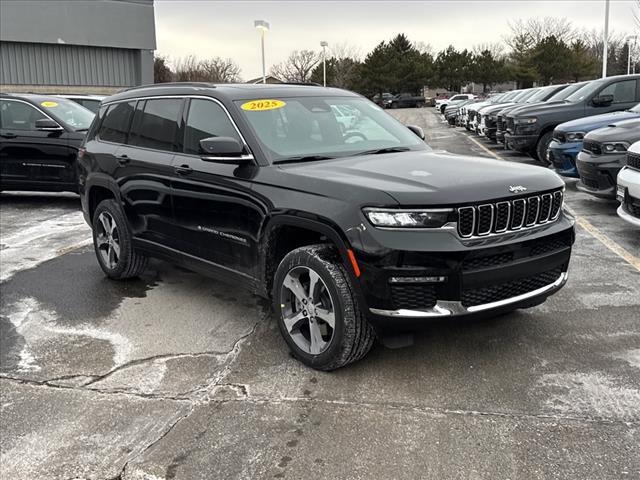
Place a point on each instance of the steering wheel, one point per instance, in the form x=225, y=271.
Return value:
x=354, y=137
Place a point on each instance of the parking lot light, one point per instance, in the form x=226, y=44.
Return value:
x=263, y=27
x=324, y=46
x=635, y=39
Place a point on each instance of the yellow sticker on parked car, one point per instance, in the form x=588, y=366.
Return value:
x=49, y=104
x=262, y=104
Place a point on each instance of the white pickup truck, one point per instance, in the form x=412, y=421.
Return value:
x=441, y=103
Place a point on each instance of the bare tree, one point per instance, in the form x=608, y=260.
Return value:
x=532, y=31
x=636, y=13
x=297, y=67
x=496, y=49
x=216, y=70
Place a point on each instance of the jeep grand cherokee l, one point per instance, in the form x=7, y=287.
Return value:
x=39, y=140
x=531, y=129
x=349, y=233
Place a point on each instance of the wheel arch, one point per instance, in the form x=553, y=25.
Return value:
x=274, y=244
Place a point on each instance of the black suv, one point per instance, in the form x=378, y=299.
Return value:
x=349, y=232
x=39, y=140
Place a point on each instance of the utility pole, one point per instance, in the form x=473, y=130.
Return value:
x=324, y=46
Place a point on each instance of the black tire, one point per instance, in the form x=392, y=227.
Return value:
x=129, y=263
x=542, y=146
x=352, y=336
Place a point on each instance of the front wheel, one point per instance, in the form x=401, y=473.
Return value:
x=317, y=310
x=542, y=148
x=113, y=243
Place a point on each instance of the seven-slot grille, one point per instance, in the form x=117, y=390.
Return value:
x=509, y=215
x=633, y=160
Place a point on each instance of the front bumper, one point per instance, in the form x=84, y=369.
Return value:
x=598, y=173
x=563, y=157
x=629, y=196
x=486, y=278
x=521, y=143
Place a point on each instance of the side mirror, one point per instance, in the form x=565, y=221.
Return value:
x=602, y=100
x=48, y=125
x=417, y=130
x=223, y=149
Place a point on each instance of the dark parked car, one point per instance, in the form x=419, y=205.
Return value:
x=542, y=95
x=490, y=114
x=39, y=140
x=90, y=102
x=406, y=100
x=348, y=235
x=531, y=129
x=603, y=154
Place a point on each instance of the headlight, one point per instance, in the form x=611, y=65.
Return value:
x=574, y=136
x=615, y=147
x=525, y=121
x=391, y=218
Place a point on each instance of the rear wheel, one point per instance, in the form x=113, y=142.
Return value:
x=317, y=311
x=112, y=242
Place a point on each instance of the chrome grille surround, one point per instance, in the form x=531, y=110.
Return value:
x=521, y=213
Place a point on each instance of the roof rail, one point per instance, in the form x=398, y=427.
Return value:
x=182, y=84
x=308, y=84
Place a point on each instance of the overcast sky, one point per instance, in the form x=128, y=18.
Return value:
x=225, y=28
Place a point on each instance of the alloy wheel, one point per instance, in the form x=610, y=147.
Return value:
x=308, y=310
x=108, y=240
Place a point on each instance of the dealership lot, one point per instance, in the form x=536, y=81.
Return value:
x=178, y=376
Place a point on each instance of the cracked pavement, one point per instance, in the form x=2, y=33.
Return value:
x=177, y=376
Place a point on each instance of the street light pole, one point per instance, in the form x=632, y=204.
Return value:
x=606, y=39
x=635, y=37
x=263, y=27
x=324, y=46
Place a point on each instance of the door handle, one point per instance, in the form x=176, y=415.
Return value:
x=123, y=159
x=8, y=135
x=183, y=170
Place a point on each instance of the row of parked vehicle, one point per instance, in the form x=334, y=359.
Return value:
x=587, y=130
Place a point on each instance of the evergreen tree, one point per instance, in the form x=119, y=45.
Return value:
x=552, y=60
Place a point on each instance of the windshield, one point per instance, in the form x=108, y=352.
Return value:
x=67, y=111
x=324, y=127
x=539, y=95
x=565, y=92
x=510, y=96
x=585, y=91
x=523, y=97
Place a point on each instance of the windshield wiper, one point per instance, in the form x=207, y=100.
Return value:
x=384, y=150
x=81, y=129
x=303, y=158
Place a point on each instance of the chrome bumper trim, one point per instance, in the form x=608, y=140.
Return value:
x=448, y=309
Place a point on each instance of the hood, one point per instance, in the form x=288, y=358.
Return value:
x=421, y=178
x=596, y=121
x=549, y=108
x=496, y=108
x=625, y=131
x=524, y=106
x=479, y=105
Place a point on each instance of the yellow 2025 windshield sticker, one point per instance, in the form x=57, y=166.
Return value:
x=262, y=104
x=49, y=104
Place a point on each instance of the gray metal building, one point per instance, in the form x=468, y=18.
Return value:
x=87, y=46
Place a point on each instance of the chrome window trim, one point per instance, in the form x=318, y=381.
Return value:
x=185, y=96
x=478, y=233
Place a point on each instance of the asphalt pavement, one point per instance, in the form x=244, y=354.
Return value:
x=177, y=376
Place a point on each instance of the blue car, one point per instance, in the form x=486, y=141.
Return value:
x=567, y=138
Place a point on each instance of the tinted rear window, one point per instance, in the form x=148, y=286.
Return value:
x=116, y=122
x=155, y=124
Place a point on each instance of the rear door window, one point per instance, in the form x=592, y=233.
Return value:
x=116, y=122
x=155, y=124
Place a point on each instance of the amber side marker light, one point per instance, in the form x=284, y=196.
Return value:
x=354, y=263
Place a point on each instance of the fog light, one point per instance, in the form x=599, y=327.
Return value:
x=417, y=279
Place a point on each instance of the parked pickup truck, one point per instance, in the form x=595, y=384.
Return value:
x=531, y=129
x=406, y=100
